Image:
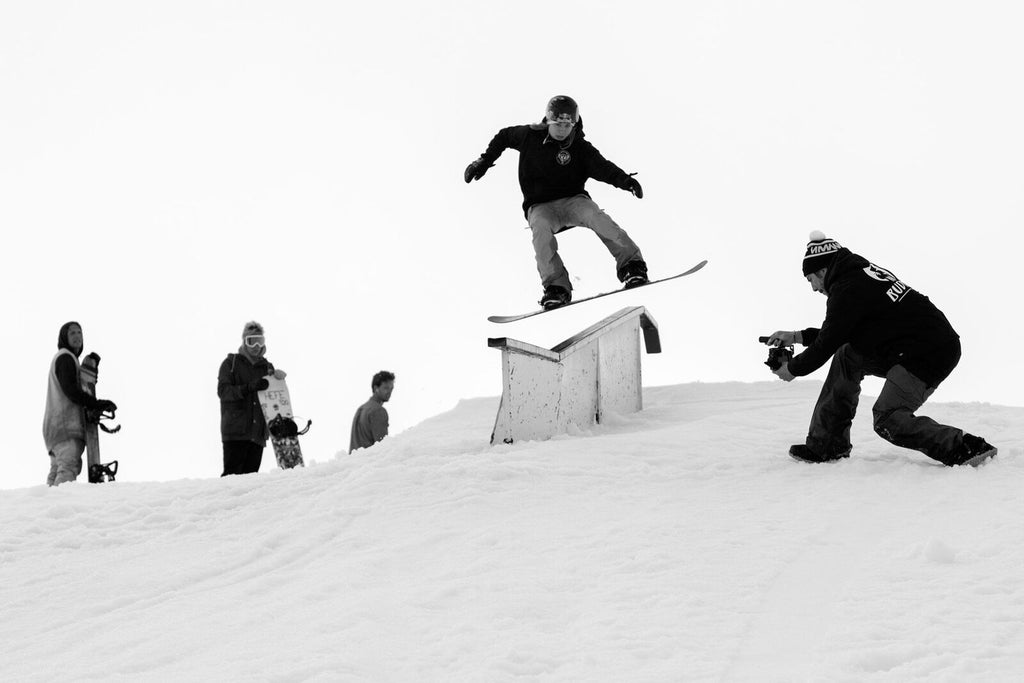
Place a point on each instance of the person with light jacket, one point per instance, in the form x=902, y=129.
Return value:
x=66, y=403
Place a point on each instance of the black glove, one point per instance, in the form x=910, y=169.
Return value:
x=105, y=406
x=633, y=185
x=476, y=170
x=259, y=384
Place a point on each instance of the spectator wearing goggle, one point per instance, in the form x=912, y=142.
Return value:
x=242, y=375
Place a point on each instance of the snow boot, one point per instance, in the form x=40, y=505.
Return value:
x=973, y=451
x=634, y=274
x=804, y=454
x=555, y=296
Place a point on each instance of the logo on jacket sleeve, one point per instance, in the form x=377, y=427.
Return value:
x=563, y=157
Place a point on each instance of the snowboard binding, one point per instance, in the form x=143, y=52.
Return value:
x=97, y=418
x=284, y=427
x=777, y=355
x=100, y=473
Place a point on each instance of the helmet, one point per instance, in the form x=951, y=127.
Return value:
x=562, y=104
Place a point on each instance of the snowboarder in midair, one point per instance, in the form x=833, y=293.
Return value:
x=555, y=161
x=875, y=324
x=66, y=403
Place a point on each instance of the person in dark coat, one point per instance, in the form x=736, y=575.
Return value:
x=370, y=423
x=243, y=428
x=555, y=161
x=66, y=403
x=875, y=324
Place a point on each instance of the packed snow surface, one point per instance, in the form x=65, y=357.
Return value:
x=679, y=543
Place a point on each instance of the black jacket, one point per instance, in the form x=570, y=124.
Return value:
x=241, y=417
x=549, y=169
x=881, y=317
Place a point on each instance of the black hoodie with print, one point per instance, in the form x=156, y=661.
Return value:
x=549, y=169
x=881, y=317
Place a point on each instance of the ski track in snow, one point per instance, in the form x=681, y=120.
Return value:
x=680, y=543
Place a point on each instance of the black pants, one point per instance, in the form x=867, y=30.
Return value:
x=242, y=457
x=894, y=419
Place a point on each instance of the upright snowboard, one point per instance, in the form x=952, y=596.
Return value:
x=521, y=316
x=98, y=472
x=284, y=433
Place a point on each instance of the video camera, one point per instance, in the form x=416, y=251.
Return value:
x=777, y=355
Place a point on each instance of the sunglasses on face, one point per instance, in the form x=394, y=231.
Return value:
x=254, y=340
x=563, y=120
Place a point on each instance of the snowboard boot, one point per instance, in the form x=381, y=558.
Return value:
x=973, y=451
x=555, y=296
x=804, y=454
x=633, y=274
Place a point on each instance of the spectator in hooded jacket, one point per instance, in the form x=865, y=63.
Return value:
x=555, y=161
x=370, y=423
x=243, y=428
x=875, y=324
x=66, y=403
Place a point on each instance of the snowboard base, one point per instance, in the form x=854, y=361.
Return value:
x=521, y=316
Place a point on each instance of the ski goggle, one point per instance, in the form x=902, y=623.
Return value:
x=255, y=340
x=562, y=120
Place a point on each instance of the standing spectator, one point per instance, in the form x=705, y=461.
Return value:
x=370, y=423
x=66, y=403
x=242, y=427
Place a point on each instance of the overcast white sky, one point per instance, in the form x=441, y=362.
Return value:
x=171, y=170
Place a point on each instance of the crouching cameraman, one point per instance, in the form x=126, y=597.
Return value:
x=874, y=325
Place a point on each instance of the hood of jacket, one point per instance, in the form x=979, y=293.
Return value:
x=844, y=264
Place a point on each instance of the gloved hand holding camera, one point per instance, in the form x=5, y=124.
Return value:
x=780, y=353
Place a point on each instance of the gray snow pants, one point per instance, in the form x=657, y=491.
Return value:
x=894, y=418
x=548, y=219
x=65, y=462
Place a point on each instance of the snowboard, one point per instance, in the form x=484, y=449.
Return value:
x=98, y=472
x=284, y=433
x=522, y=316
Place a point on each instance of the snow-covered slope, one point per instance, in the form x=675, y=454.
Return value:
x=676, y=544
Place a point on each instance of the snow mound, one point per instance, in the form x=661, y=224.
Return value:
x=676, y=543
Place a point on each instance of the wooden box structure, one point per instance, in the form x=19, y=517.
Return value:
x=594, y=372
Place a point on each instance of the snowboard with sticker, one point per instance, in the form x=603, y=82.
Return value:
x=98, y=472
x=522, y=316
x=284, y=433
